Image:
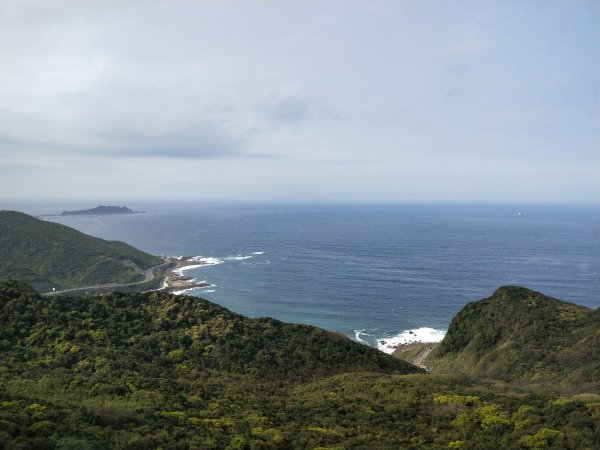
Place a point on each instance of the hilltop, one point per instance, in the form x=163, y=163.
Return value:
x=525, y=337
x=150, y=370
x=99, y=210
x=48, y=255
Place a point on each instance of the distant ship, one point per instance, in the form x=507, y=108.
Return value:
x=520, y=214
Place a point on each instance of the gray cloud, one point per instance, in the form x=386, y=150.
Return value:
x=291, y=109
x=264, y=96
x=204, y=140
x=201, y=140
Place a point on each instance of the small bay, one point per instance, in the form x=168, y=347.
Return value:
x=370, y=272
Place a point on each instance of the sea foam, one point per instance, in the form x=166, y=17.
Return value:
x=358, y=334
x=206, y=260
x=423, y=334
x=183, y=291
x=238, y=257
x=180, y=270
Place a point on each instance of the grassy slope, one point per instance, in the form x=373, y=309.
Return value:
x=48, y=255
x=156, y=370
x=523, y=336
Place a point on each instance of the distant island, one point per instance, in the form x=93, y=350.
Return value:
x=99, y=210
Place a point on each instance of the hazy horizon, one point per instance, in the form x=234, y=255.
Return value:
x=343, y=102
x=54, y=207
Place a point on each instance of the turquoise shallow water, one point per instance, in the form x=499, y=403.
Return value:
x=370, y=272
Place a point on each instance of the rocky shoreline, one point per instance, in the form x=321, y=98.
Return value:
x=175, y=281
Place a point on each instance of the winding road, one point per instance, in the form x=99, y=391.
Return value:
x=148, y=276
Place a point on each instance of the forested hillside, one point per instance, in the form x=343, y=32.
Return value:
x=49, y=255
x=525, y=337
x=154, y=370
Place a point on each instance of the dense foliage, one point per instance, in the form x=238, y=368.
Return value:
x=523, y=336
x=155, y=370
x=49, y=255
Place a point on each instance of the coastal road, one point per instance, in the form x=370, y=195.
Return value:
x=148, y=276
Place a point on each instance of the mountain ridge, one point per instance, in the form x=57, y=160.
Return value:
x=50, y=256
x=155, y=370
x=520, y=335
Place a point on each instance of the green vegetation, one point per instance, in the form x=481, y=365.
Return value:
x=524, y=337
x=136, y=371
x=49, y=255
x=408, y=352
x=518, y=370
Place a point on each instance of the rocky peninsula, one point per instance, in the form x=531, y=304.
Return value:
x=176, y=281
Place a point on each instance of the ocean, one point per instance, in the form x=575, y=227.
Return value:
x=374, y=273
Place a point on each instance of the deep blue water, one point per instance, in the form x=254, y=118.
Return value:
x=381, y=269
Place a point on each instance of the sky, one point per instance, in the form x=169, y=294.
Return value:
x=300, y=101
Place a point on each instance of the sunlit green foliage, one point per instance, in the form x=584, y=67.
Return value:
x=138, y=371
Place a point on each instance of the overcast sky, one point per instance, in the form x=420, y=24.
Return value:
x=329, y=101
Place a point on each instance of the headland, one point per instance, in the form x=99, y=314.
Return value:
x=176, y=281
